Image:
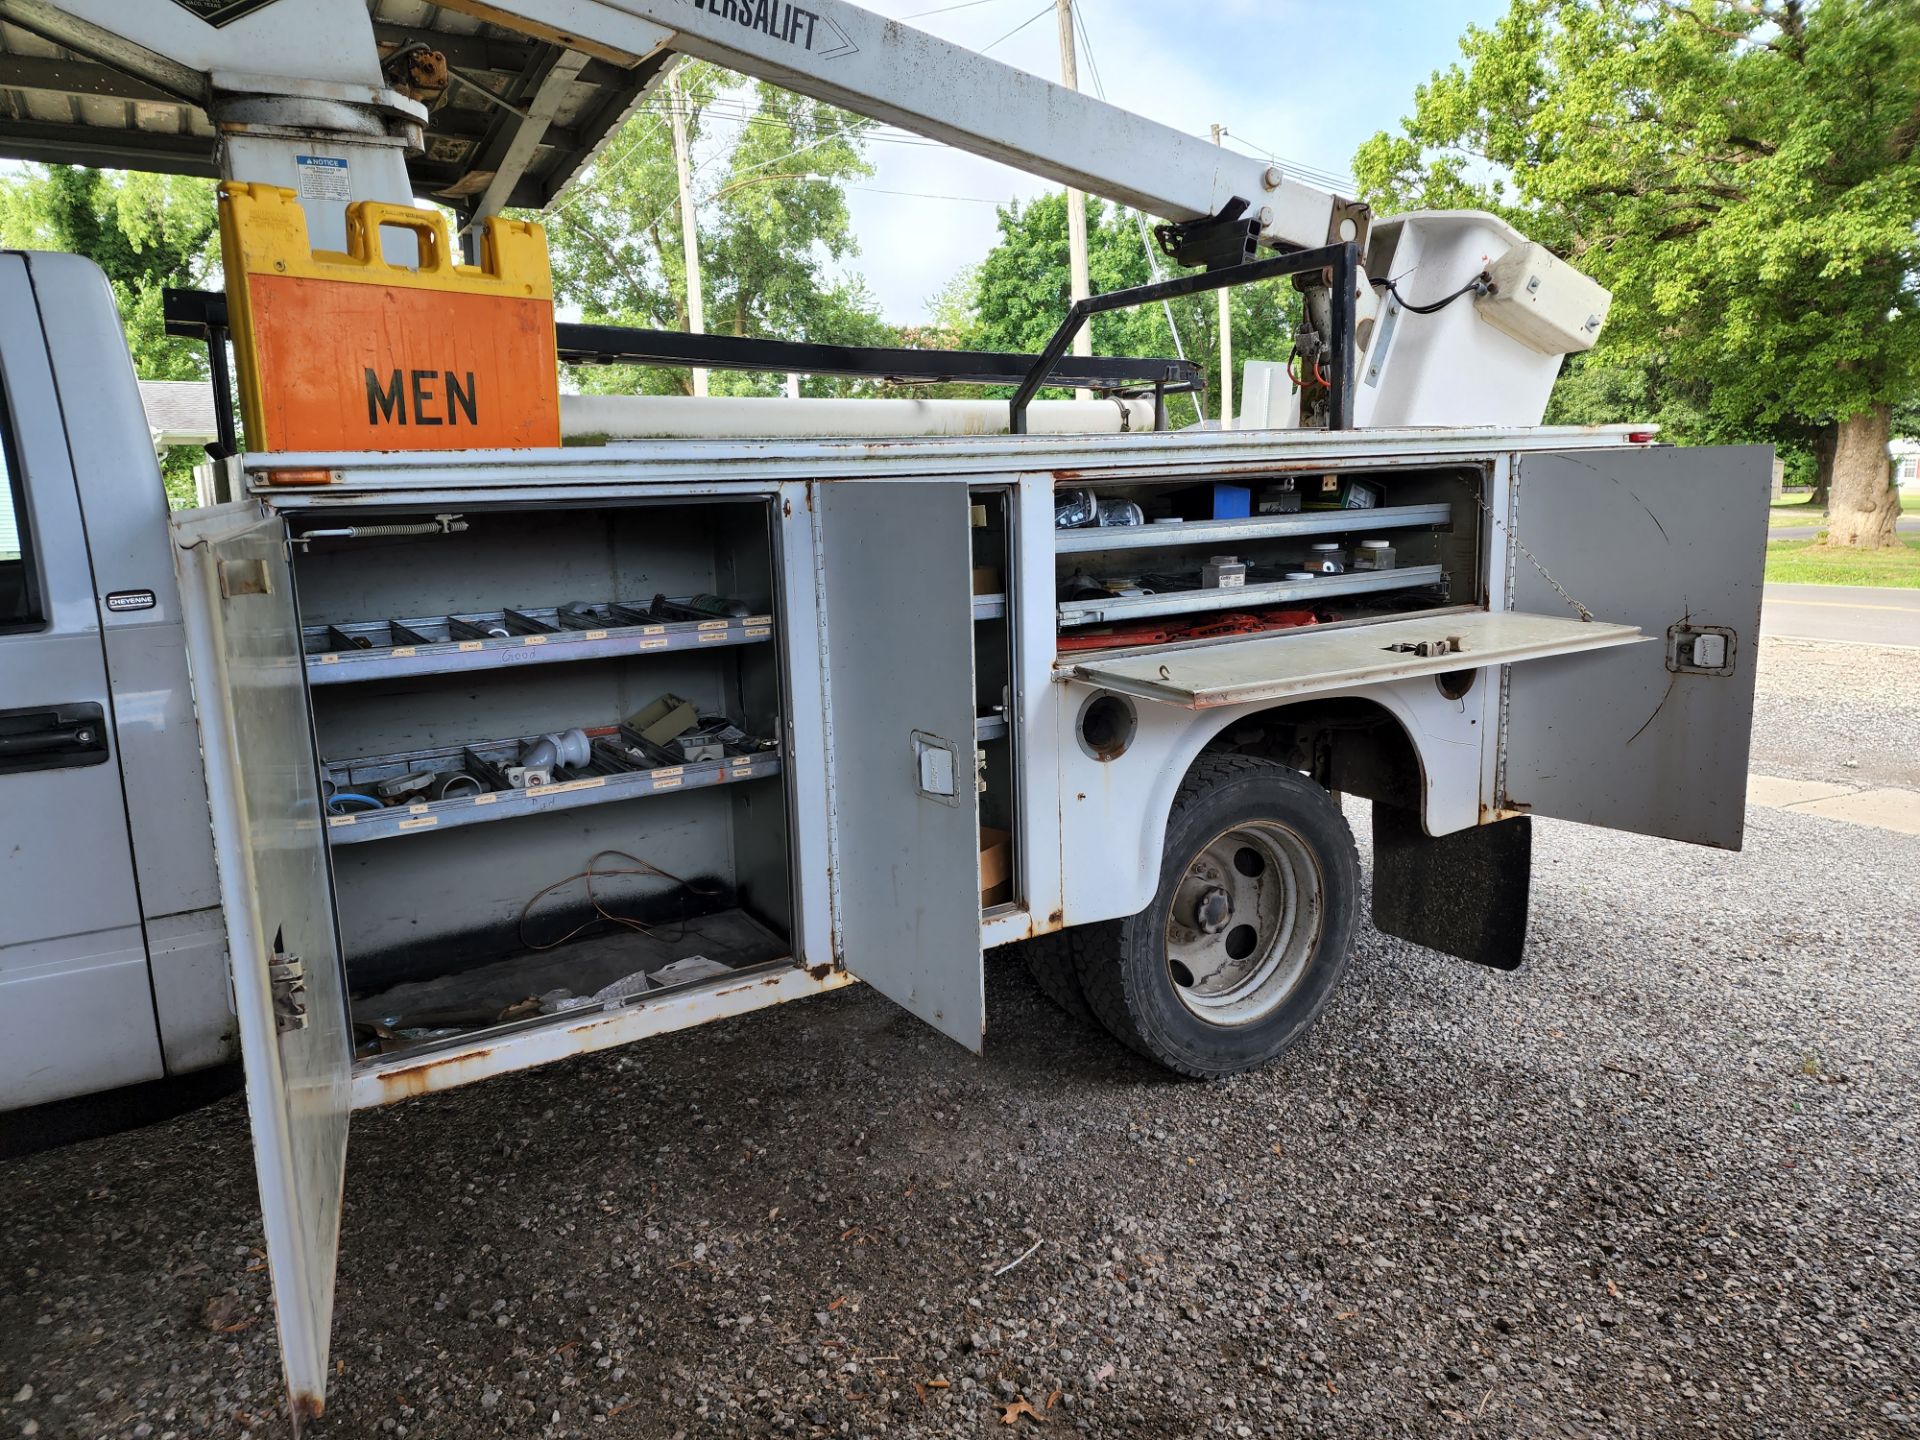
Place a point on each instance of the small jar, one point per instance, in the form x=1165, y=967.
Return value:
x=1294, y=577
x=1324, y=558
x=1374, y=555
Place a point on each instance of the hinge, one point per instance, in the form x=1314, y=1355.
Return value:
x=287, y=979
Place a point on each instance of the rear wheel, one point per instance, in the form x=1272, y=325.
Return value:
x=1249, y=929
x=1050, y=962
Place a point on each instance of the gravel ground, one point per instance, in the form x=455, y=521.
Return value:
x=1846, y=713
x=1661, y=1181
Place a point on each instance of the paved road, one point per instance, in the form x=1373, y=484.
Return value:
x=1865, y=614
x=1906, y=525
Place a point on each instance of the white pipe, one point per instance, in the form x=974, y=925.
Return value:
x=683, y=417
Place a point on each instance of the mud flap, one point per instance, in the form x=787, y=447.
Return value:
x=1464, y=894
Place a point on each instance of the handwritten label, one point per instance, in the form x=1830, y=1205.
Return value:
x=421, y=823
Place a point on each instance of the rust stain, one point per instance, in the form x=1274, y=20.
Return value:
x=418, y=1079
x=820, y=971
x=307, y=1406
x=786, y=508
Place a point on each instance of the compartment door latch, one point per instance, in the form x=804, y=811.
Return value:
x=936, y=768
x=287, y=979
x=1700, y=649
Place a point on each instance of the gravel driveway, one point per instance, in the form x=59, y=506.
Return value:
x=1661, y=1181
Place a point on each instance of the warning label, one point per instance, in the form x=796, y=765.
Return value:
x=323, y=178
x=221, y=12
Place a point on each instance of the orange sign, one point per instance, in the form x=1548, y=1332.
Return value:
x=348, y=352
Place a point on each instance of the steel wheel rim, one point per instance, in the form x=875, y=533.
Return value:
x=1245, y=921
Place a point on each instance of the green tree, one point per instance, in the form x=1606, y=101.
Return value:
x=773, y=223
x=1741, y=173
x=146, y=232
x=1019, y=294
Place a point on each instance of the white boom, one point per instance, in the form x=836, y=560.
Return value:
x=829, y=49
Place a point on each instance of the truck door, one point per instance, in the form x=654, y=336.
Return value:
x=1650, y=738
x=243, y=644
x=76, y=1003
x=896, y=602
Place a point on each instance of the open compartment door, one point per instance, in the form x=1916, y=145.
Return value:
x=896, y=597
x=243, y=643
x=1647, y=738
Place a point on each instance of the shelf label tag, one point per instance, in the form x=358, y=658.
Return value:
x=672, y=783
x=486, y=799
x=659, y=644
x=533, y=639
x=596, y=634
x=422, y=822
x=473, y=644
x=341, y=819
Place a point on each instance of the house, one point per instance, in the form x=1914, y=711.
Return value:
x=179, y=412
x=1906, y=463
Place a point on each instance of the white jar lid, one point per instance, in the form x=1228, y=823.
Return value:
x=1375, y=544
x=1301, y=575
x=1327, y=545
x=1223, y=559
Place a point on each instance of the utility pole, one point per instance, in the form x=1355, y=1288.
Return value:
x=1076, y=200
x=1226, y=334
x=689, y=232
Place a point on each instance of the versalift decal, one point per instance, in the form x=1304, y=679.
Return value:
x=790, y=24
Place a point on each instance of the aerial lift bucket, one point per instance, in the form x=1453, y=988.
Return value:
x=350, y=352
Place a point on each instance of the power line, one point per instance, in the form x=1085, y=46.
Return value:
x=942, y=10
x=1046, y=9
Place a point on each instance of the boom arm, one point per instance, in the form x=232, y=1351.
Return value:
x=863, y=62
x=228, y=57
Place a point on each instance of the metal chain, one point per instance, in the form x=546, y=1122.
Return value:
x=1521, y=545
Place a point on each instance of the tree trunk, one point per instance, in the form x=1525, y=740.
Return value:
x=1823, y=446
x=1865, y=503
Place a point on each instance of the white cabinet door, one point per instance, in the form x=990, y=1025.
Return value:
x=896, y=607
x=249, y=681
x=1648, y=738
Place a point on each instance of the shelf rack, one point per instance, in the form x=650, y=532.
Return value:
x=990, y=607
x=446, y=644
x=1248, y=597
x=608, y=776
x=1267, y=527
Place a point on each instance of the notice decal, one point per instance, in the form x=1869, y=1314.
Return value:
x=221, y=12
x=819, y=35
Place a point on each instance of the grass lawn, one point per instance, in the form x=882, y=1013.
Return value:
x=1807, y=562
x=1793, y=510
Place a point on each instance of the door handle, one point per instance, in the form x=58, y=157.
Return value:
x=52, y=738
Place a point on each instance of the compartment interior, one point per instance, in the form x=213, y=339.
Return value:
x=461, y=859
x=995, y=678
x=1149, y=562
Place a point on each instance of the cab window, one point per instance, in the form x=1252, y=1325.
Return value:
x=19, y=591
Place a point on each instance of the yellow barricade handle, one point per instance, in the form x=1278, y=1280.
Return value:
x=367, y=218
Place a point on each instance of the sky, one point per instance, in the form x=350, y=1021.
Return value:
x=1304, y=83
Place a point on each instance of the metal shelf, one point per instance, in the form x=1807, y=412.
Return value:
x=445, y=644
x=1271, y=527
x=1248, y=597
x=606, y=778
x=989, y=607
x=989, y=727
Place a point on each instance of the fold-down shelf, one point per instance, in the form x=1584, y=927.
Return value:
x=1241, y=671
x=485, y=640
x=1110, y=608
x=1257, y=527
